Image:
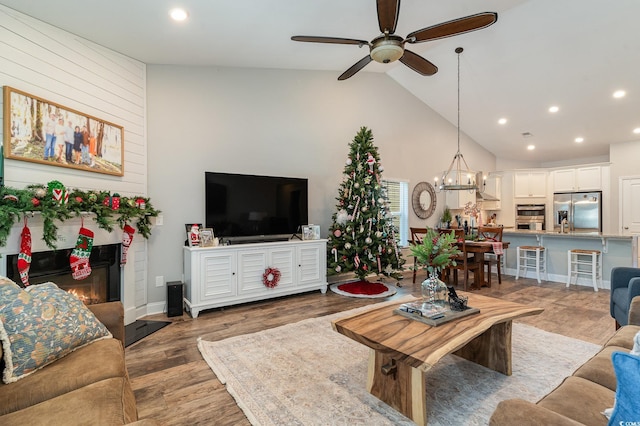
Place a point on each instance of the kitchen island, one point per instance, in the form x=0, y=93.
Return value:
x=617, y=250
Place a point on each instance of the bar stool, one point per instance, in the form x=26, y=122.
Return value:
x=585, y=262
x=531, y=257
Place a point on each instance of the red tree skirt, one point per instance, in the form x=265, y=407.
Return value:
x=363, y=289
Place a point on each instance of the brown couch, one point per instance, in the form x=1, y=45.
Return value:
x=89, y=386
x=580, y=398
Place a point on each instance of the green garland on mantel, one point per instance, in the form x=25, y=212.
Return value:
x=70, y=203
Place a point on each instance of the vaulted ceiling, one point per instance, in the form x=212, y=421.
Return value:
x=573, y=54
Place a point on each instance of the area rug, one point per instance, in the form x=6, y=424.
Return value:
x=363, y=289
x=307, y=374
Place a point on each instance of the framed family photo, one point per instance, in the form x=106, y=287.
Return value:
x=311, y=232
x=42, y=131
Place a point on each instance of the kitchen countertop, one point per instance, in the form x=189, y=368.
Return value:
x=586, y=235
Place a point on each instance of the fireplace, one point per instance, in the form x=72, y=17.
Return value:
x=103, y=285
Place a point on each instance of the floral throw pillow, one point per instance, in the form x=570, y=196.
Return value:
x=41, y=324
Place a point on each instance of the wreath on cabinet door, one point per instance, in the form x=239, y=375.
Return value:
x=271, y=277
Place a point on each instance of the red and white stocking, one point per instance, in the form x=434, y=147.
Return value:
x=127, y=238
x=24, y=258
x=79, y=259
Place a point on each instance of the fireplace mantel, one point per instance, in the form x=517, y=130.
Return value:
x=130, y=291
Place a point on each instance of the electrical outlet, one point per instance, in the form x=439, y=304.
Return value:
x=159, y=220
x=159, y=281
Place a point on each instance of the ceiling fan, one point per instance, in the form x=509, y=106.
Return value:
x=389, y=47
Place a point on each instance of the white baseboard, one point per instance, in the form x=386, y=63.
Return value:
x=155, y=308
x=557, y=278
x=132, y=314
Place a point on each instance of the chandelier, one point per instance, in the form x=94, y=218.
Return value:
x=458, y=177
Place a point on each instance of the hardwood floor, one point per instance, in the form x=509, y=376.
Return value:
x=175, y=386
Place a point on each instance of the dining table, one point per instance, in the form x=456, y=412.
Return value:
x=479, y=248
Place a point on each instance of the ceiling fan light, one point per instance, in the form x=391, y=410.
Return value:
x=386, y=51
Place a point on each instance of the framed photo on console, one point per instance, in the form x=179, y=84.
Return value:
x=193, y=234
x=311, y=232
x=206, y=237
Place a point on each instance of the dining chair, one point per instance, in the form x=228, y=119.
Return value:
x=493, y=234
x=417, y=235
x=465, y=261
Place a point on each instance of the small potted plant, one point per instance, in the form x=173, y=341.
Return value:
x=446, y=217
x=435, y=253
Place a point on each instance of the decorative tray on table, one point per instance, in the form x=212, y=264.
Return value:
x=432, y=314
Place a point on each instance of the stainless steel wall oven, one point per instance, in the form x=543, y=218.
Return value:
x=530, y=216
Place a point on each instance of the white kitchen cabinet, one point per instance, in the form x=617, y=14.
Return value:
x=458, y=199
x=530, y=184
x=228, y=275
x=588, y=178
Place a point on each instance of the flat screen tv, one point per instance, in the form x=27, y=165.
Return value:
x=248, y=207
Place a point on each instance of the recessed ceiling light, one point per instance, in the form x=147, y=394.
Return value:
x=579, y=140
x=554, y=109
x=178, y=14
x=636, y=130
x=502, y=121
x=619, y=94
x=531, y=147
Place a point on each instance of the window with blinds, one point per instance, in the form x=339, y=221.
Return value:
x=398, y=196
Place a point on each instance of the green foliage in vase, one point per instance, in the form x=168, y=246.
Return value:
x=436, y=251
x=362, y=238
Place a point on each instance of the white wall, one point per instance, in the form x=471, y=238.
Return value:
x=624, y=163
x=57, y=66
x=280, y=122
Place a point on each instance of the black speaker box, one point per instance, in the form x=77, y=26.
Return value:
x=174, y=298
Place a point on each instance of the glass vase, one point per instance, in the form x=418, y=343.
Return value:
x=434, y=291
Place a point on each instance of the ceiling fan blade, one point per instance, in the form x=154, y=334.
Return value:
x=333, y=40
x=455, y=27
x=355, y=68
x=418, y=63
x=388, y=11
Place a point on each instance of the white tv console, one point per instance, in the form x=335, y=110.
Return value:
x=229, y=275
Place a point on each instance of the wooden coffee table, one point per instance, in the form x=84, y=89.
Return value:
x=402, y=349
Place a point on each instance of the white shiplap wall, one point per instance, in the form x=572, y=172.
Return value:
x=55, y=65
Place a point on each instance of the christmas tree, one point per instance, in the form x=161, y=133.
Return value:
x=362, y=237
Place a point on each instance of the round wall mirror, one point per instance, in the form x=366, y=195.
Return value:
x=424, y=200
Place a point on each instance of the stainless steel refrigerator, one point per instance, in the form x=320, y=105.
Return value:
x=582, y=211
